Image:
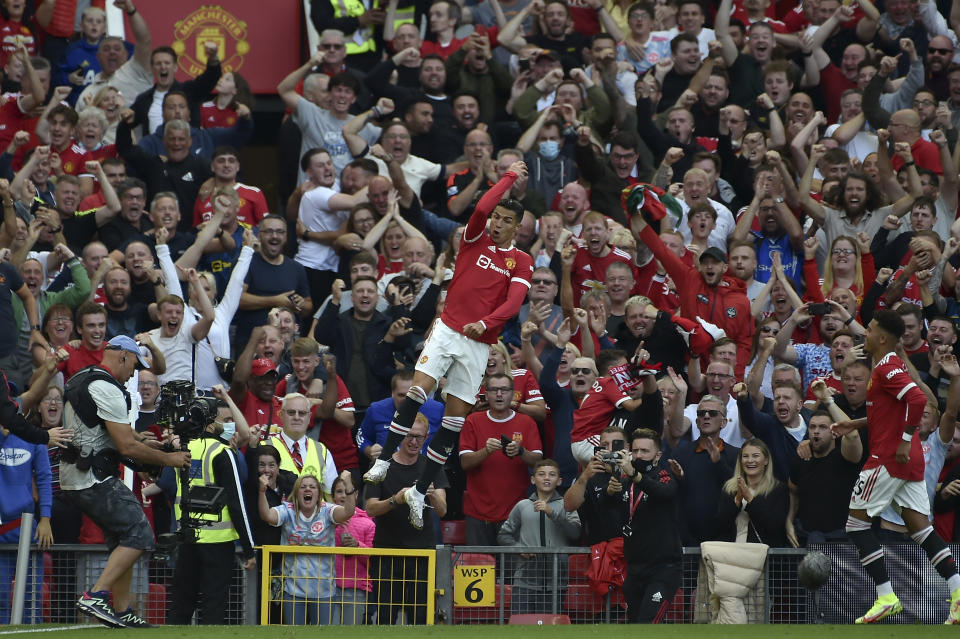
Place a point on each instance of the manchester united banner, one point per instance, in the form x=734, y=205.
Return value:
x=259, y=40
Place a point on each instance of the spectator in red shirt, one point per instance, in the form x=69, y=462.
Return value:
x=92, y=326
x=496, y=473
x=444, y=18
x=905, y=127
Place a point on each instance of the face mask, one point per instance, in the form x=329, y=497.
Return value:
x=229, y=428
x=550, y=149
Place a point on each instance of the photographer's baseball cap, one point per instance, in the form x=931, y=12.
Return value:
x=126, y=343
x=262, y=366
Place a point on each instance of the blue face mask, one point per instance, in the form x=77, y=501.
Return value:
x=229, y=428
x=549, y=149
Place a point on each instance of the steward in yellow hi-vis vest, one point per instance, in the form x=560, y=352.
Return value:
x=361, y=22
x=205, y=567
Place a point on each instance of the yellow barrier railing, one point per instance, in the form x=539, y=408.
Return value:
x=308, y=585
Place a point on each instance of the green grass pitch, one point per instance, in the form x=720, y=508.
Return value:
x=484, y=632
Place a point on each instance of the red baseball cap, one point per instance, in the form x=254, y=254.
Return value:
x=262, y=366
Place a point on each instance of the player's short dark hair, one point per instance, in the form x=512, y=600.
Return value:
x=943, y=318
x=268, y=451
x=163, y=49
x=910, y=309
x=891, y=322
x=69, y=114
x=173, y=92
x=363, y=257
x=365, y=164
x=363, y=278
x=546, y=462
x=821, y=412
x=490, y=378
x=625, y=140
x=602, y=36
x=608, y=356
x=646, y=433
x=308, y=157
x=130, y=183
x=683, y=37
x=843, y=332
x=418, y=98
x=400, y=376
x=89, y=308
x=226, y=149
x=345, y=79
x=514, y=206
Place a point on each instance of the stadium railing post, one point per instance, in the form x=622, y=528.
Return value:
x=23, y=568
x=444, y=577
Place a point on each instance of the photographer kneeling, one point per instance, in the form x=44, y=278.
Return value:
x=205, y=562
x=97, y=413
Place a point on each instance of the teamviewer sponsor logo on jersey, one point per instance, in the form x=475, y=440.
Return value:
x=486, y=263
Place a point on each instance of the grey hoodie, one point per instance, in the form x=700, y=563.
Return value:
x=522, y=528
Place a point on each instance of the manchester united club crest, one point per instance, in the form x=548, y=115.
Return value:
x=316, y=527
x=210, y=24
x=731, y=312
x=423, y=360
x=511, y=263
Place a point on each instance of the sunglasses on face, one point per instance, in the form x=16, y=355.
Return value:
x=940, y=51
x=580, y=371
x=708, y=413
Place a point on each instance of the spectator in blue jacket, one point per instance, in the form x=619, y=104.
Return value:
x=376, y=422
x=202, y=141
x=782, y=431
x=21, y=465
x=79, y=64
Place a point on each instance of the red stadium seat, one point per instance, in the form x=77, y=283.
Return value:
x=454, y=533
x=579, y=565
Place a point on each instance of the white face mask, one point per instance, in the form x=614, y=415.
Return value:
x=229, y=429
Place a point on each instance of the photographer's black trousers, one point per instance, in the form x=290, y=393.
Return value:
x=201, y=582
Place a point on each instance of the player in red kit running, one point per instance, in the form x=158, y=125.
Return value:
x=894, y=471
x=489, y=285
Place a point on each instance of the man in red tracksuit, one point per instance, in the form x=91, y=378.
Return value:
x=705, y=291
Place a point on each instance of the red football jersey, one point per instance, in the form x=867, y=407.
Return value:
x=13, y=119
x=212, y=116
x=253, y=207
x=73, y=158
x=589, y=271
x=79, y=359
x=385, y=268
x=489, y=284
x=832, y=381
x=893, y=402
x=496, y=485
x=10, y=32
x=596, y=409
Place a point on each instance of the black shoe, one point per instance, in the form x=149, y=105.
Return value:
x=130, y=619
x=97, y=605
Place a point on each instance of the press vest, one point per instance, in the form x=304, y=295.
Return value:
x=202, y=452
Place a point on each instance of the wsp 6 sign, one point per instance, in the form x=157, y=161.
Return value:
x=474, y=585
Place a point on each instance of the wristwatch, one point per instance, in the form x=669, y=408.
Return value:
x=393, y=502
x=778, y=200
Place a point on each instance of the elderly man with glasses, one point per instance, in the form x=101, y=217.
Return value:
x=703, y=464
x=300, y=454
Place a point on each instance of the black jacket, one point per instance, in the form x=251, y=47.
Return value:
x=654, y=526
x=335, y=328
x=768, y=517
x=197, y=91
x=183, y=178
x=12, y=420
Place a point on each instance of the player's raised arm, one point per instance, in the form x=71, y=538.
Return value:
x=489, y=201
